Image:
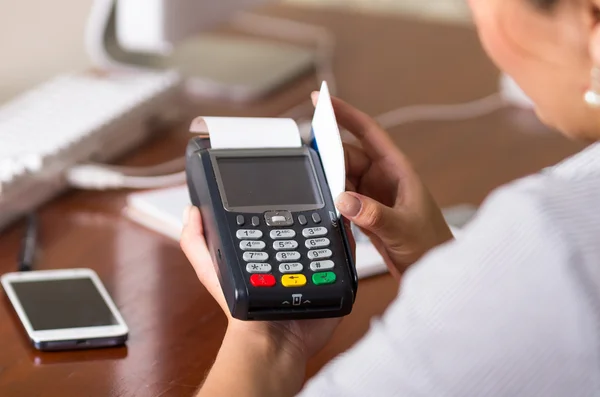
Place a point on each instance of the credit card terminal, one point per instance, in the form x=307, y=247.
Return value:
x=272, y=229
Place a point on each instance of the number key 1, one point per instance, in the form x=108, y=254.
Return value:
x=244, y=234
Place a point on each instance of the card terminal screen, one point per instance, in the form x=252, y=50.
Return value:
x=268, y=181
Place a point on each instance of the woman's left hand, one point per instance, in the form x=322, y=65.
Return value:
x=301, y=338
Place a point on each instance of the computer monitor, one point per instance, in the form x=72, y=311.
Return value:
x=157, y=26
x=179, y=34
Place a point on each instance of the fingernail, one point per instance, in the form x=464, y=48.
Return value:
x=348, y=204
x=186, y=214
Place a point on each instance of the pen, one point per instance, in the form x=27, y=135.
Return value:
x=28, y=245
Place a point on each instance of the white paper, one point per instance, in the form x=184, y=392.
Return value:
x=248, y=133
x=329, y=143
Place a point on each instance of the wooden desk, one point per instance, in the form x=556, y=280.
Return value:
x=176, y=328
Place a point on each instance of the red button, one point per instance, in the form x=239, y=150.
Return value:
x=262, y=280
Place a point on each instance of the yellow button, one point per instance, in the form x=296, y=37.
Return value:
x=293, y=280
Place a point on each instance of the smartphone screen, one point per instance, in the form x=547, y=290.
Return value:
x=63, y=303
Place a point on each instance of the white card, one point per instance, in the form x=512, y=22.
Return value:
x=329, y=143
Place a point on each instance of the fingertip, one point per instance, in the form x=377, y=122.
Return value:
x=194, y=211
x=348, y=204
x=192, y=221
x=314, y=96
x=192, y=235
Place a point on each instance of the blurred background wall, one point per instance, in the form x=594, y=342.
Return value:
x=41, y=38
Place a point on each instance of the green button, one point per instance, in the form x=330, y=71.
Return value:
x=323, y=278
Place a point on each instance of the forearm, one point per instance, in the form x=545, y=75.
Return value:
x=254, y=363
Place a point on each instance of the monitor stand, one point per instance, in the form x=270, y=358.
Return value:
x=213, y=66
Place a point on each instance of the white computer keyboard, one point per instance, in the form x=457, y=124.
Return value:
x=69, y=120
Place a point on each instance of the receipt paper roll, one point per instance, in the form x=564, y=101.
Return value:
x=248, y=133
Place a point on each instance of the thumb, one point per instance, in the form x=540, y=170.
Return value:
x=194, y=246
x=367, y=214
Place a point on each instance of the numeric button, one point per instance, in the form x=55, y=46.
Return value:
x=314, y=232
x=290, y=268
x=317, y=243
x=321, y=265
x=244, y=234
x=282, y=234
x=249, y=245
x=320, y=254
x=285, y=245
x=287, y=256
x=256, y=256
x=258, y=268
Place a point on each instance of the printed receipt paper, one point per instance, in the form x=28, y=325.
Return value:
x=264, y=133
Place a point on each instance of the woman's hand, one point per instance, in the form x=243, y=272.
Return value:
x=386, y=197
x=277, y=350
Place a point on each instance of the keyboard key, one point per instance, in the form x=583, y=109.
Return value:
x=243, y=234
x=317, y=243
x=258, y=268
x=240, y=220
x=316, y=218
x=285, y=245
x=256, y=256
x=288, y=256
x=321, y=265
x=255, y=221
x=314, y=232
x=262, y=280
x=248, y=245
x=293, y=280
x=282, y=234
x=302, y=220
x=320, y=254
x=290, y=268
x=323, y=278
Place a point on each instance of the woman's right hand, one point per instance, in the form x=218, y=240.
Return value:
x=386, y=198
